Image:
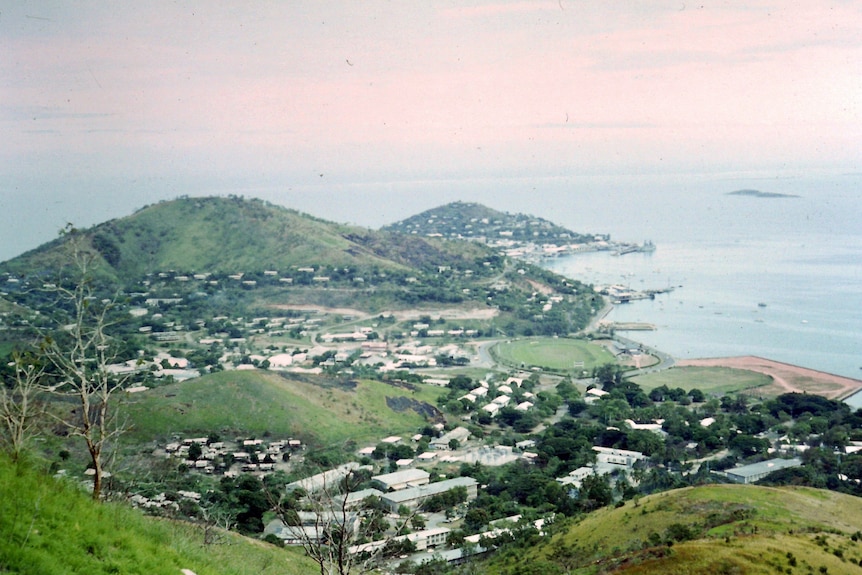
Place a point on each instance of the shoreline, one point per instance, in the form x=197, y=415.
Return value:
x=786, y=377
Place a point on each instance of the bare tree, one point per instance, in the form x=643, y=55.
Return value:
x=330, y=524
x=20, y=410
x=78, y=358
x=215, y=523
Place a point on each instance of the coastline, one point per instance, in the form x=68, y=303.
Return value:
x=786, y=377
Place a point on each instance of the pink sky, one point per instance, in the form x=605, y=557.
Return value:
x=391, y=91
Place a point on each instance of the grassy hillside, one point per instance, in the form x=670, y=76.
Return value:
x=230, y=235
x=210, y=235
x=317, y=410
x=710, y=529
x=48, y=526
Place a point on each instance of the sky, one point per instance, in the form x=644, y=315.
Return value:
x=109, y=106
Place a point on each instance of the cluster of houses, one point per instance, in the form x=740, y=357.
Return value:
x=231, y=458
x=492, y=400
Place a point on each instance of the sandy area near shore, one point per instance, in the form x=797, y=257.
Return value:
x=786, y=378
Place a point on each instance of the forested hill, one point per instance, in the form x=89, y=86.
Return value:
x=474, y=221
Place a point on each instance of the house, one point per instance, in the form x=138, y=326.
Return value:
x=574, y=478
x=654, y=427
x=617, y=457
x=491, y=408
x=525, y=444
x=429, y=538
x=353, y=336
x=402, y=479
x=757, y=471
x=280, y=360
x=459, y=434
x=593, y=395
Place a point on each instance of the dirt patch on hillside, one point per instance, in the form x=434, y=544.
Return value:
x=786, y=378
x=479, y=313
x=540, y=287
x=321, y=309
x=445, y=313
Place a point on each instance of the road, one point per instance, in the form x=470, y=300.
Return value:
x=665, y=360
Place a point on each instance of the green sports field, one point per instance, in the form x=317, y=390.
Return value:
x=710, y=380
x=554, y=354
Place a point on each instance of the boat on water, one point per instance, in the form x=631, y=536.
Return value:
x=761, y=304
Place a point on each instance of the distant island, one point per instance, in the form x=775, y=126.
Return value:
x=759, y=194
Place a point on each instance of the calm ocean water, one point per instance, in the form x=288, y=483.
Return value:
x=724, y=255
x=800, y=256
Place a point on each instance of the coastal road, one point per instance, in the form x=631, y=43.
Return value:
x=665, y=360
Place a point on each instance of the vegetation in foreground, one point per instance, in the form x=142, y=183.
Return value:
x=49, y=526
x=681, y=429
x=740, y=529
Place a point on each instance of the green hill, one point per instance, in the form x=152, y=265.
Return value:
x=230, y=235
x=236, y=256
x=475, y=221
x=49, y=526
x=318, y=410
x=739, y=529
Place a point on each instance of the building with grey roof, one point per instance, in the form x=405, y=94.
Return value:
x=413, y=497
x=757, y=471
x=402, y=479
x=459, y=434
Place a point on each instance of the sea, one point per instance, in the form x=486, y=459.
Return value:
x=778, y=277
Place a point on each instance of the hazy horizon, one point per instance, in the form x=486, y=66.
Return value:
x=320, y=105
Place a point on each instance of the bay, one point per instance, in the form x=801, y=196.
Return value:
x=779, y=278
x=800, y=255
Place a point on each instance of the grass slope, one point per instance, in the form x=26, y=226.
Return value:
x=739, y=529
x=48, y=526
x=254, y=402
x=710, y=380
x=230, y=235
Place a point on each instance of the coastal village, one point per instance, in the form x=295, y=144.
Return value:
x=586, y=433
